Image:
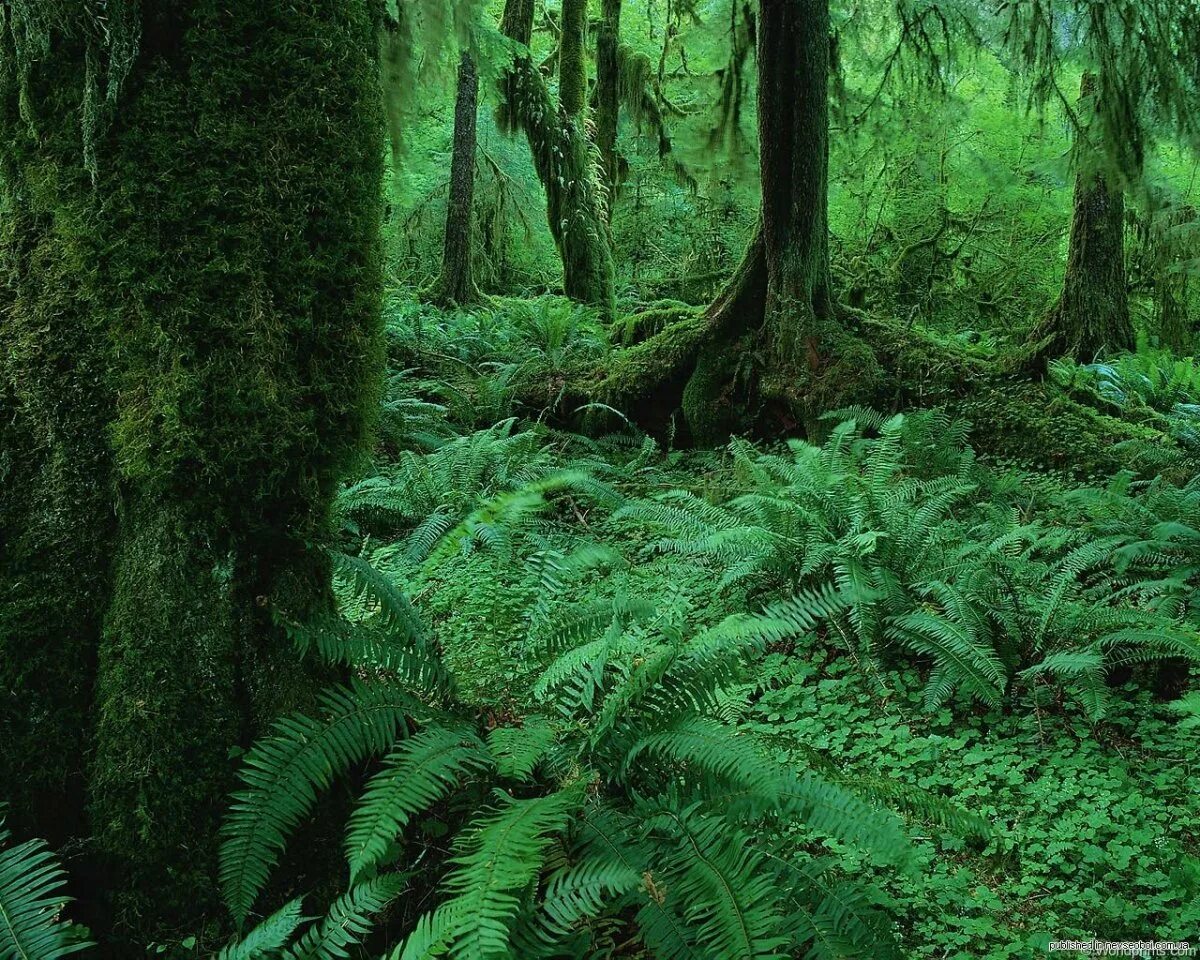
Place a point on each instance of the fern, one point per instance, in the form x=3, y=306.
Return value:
x=348, y=920
x=497, y=860
x=413, y=777
x=267, y=937
x=32, y=901
x=283, y=773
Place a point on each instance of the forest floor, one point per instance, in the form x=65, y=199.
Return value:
x=494, y=523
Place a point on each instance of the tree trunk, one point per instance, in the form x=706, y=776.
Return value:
x=572, y=59
x=608, y=93
x=457, y=281
x=216, y=349
x=1091, y=316
x=809, y=360
x=562, y=158
x=56, y=469
x=1171, y=294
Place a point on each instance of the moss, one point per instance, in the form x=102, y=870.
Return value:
x=1035, y=423
x=708, y=405
x=56, y=516
x=250, y=361
x=562, y=157
x=572, y=60
x=640, y=326
x=640, y=370
x=1012, y=415
x=202, y=325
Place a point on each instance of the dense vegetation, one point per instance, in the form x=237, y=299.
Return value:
x=674, y=479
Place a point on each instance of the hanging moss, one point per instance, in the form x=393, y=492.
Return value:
x=563, y=159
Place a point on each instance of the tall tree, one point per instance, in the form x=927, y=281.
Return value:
x=1091, y=316
x=572, y=58
x=777, y=314
x=215, y=275
x=562, y=158
x=608, y=92
x=456, y=283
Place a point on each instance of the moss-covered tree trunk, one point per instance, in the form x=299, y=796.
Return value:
x=1172, y=246
x=456, y=284
x=562, y=158
x=779, y=307
x=608, y=93
x=212, y=299
x=572, y=58
x=1091, y=316
x=56, y=472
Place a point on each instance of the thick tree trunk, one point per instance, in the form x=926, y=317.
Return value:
x=56, y=468
x=562, y=158
x=810, y=361
x=1091, y=316
x=457, y=281
x=209, y=337
x=572, y=58
x=608, y=93
x=793, y=125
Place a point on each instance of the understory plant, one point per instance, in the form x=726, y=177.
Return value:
x=626, y=812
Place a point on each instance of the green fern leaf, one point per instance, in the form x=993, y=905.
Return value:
x=283, y=773
x=418, y=773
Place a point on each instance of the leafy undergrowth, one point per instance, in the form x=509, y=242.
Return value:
x=986, y=619
x=1097, y=827
x=672, y=703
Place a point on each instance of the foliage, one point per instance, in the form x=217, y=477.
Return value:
x=31, y=902
x=624, y=791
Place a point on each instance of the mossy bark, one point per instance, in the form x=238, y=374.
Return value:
x=1171, y=280
x=572, y=58
x=456, y=283
x=220, y=360
x=608, y=93
x=562, y=158
x=1091, y=316
x=56, y=471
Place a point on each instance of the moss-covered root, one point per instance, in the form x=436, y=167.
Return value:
x=1012, y=415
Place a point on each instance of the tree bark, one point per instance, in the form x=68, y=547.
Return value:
x=572, y=58
x=608, y=93
x=562, y=158
x=1171, y=293
x=56, y=469
x=456, y=283
x=780, y=302
x=1091, y=316
x=200, y=357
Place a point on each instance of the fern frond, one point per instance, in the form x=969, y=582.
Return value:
x=499, y=858
x=267, y=937
x=517, y=750
x=415, y=775
x=31, y=902
x=283, y=773
x=348, y=921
